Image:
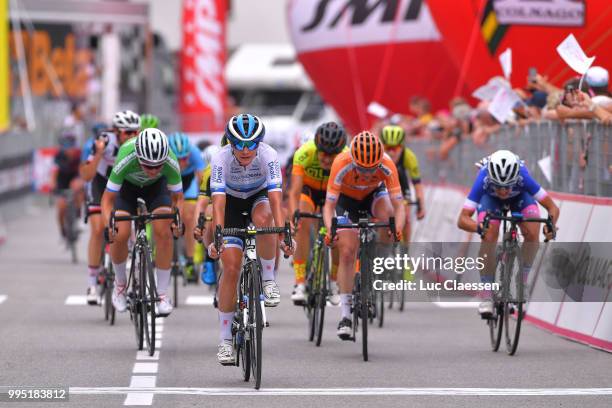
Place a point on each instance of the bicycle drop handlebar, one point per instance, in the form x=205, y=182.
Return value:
x=516, y=218
x=364, y=223
x=244, y=232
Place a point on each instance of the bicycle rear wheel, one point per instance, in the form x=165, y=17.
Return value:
x=255, y=322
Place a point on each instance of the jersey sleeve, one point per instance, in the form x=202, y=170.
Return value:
x=532, y=186
x=334, y=183
x=477, y=191
x=274, y=178
x=300, y=161
x=217, y=175
x=196, y=159
x=392, y=178
x=116, y=178
x=172, y=171
x=411, y=164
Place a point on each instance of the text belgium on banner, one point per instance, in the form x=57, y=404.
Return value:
x=202, y=91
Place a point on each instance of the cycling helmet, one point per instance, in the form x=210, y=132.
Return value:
x=392, y=135
x=152, y=147
x=67, y=139
x=179, y=143
x=98, y=128
x=366, y=150
x=126, y=120
x=330, y=138
x=148, y=121
x=245, y=130
x=224, y=141
x=503, y=167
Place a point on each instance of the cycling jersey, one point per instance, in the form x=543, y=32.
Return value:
x=105, y=165
x=306, y=164
x=411, y=165
x=127, y=168
x=67, y=162
x=228, y=176
x=483, y=186
x=345, y=179
x=205, y=184
x=196, y=163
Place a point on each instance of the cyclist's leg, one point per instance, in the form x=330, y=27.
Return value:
x=78, y=188
x=267, y=248
x=382, y=210
x=527, y=205
x=348, y=247
x=487, y=249
x=60, y=205
x=125, y=204
x=302, y=238
x=226, y=295
x=191, y=195
x=96, y=225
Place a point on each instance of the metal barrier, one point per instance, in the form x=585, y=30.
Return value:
x=577, y=153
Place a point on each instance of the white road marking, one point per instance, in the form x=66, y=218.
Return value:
x=145, y=368
x=199, y=300
x=144, y=355
x=457, y=305
x=140, y=398
x=3, y=298
x=76, y=300
x=345, y=391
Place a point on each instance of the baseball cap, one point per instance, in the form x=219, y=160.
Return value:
x=597, y=77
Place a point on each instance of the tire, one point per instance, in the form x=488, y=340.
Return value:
x=379, y=297
x=107, y=295
x=364, y=294
x=256, y=322
x=175, y=285
x=70, y=229
x=136, y=308
x=513, y=307
x=110, y=286
x=496, y=326
x=244, y=352
x=322, y=290
x=148, y=296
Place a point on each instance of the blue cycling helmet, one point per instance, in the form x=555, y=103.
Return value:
x=98, y=128
x=245, y=130
x=179, y=143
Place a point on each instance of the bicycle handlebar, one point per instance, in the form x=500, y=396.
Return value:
x=364, y=223
x=516, y=218
x=243, y=232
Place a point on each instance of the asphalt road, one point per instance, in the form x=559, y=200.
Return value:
x=427, y=356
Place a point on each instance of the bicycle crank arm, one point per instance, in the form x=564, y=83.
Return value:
x=263, y=312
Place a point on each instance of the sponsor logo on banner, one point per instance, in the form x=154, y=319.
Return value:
x=203, y=57
x=562, y=13
x=360, y=22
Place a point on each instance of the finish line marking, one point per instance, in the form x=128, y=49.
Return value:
x=341, y=391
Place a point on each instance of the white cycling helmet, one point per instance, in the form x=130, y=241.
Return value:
x=126, y=120
x=503, y=167
x=152, y=147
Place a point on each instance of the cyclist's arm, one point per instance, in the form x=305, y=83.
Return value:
x=218, y=204
x=334, y=185
x=88, y=168
x=534, y=188
x=551, y=207
x=276, y=199
x=329, y=209
x=399, y=210
x=107, y=204
x=297, y=182
x=177, y=201
x=465, y=221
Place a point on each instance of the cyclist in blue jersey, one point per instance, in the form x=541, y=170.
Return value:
x=192, y=165
x=502, y=181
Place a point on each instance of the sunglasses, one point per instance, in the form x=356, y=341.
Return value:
x=129, y=132
x=366, y=170
x=393, y=148
x=150, y=167
x=248, y=144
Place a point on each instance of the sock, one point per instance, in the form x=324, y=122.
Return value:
x=267, y=269
x=225, y=325
x=345, y=305
x=92, y=278
x=120, y=277
x=486, y=293
x=334, y=272
x=299, y=267
x=526, y=270
x=163, y=280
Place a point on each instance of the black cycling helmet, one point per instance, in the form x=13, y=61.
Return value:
x=330, y=138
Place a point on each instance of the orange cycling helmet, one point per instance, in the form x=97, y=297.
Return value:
x=366, y=150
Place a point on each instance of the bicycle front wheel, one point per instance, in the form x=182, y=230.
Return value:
x=513, y=307
x=149, y=296
x=255, y=322
x=322, y=292
x=242, y=336
x=496, y=323
x=365, y=303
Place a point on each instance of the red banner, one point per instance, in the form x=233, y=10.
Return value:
x=203, y=91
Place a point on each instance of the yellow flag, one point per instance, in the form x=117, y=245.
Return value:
x=4, y=66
